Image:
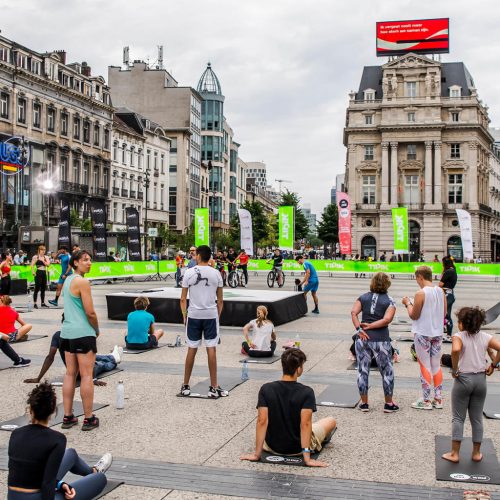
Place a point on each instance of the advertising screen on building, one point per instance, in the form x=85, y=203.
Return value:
x=420, y=36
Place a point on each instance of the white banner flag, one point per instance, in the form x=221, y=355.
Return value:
x=246, y=233
x=465, y=222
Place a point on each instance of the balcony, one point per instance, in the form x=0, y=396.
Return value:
x=116, y=191
x=73, y=187
x=133, y=194
x=99, y=192
x=124, y=193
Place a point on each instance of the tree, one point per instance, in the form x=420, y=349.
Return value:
x=301, y=225
x=328, y=227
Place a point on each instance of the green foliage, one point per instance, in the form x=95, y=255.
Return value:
x=328, y=227
x=86, y=224
x=289, y=198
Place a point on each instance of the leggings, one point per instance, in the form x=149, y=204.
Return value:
x=428, y=351
x=40, y=285
x=468, y=393
x=6, y=348
x=86, y=488
x=5, y=285
x=253, y=353
x=244, y=268
x=382, y=352
x=450, y=300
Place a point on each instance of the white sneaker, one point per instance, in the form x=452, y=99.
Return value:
x=104, y=463
x=117, y=353
x=438, y=405
x=422, y=405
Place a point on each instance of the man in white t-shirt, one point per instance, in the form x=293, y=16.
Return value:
x=204, y=284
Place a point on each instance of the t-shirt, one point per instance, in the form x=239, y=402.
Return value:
x=202, y=282
x=231, y=256
x=138, y=323
x=278, y=260
x=243, y=258
x=314, y=275
x=472, y=358
x=373, y=308
x=64, y=259
x=8, y=318
x=261, y=335
x=191, y=263
x=449, y=278
x=285, y=401
x=179, y=261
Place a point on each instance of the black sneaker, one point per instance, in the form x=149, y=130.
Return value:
x=69, y=421
x=185, y=390
x=364, y=407
x=53, y=303
x=315, y=311
x=391, y=407
x=22, y=363
x=35, y=306
x=217, y=392
x=44, y=305
x=90, y=423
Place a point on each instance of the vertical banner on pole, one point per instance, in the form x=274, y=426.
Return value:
x=344, y=211
x=64, y=235
x=286, y=219
x=133, y=234
x=246, y=232
x=201, y=227
x=400, y=225
x=99, y=233
x=465, y=222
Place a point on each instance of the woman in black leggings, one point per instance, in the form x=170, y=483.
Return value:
x=6, y=263
x=39, y=264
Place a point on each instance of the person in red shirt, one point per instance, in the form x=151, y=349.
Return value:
x=8, y=318
x=6, y=263
x=243, y=259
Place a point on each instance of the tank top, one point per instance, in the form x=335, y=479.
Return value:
x=75, y=324
x=5, y=269
x=431, y=321
x=472, y=357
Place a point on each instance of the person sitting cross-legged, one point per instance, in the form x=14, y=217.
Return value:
x=284, y=420
x=141, y=333
x=262, y=344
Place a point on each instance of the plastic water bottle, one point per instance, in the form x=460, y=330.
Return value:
x=244, y=371
x=178, y=341
x=120, y=395
x=297, y=341
x=30, y=303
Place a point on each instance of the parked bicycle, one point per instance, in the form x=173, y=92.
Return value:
x=276, y=275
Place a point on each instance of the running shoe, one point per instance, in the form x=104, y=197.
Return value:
x=422, y=405
x=391, y=407
x=44, y=305
x=53, y=303
x=315, y=311
x=117, y=353
x=22, y=363
x=438, y=405
x=35, y=306
x=185, y=390
x=413, y=352
x=447, y=339
x=104, y=463
x=69, y=421
x=90, y=423
x=217, y=392
x=364, y=407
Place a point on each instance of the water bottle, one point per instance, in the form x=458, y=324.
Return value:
x=120, y=395
x=178, y=341
x=30, y=303
x=297, y=341
x=244, y=371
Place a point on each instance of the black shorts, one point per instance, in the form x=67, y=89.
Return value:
x=82, y=345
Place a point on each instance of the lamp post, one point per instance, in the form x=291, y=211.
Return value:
x=146, y=185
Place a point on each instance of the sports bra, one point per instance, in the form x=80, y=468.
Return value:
x=5, y=269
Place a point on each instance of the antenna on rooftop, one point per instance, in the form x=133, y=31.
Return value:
x=160, y=56
x=126, y=57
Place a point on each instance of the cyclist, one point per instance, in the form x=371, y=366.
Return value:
x=220, y=261
x=277, y=259
x=231, y=257
x=243, y=259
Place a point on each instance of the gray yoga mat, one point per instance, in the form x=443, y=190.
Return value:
x=30, y=337
x=140, y=351
x=339, y=395
x=56, y=419
x=110, y=485
x=354, y=366
x=58, y=381
x=227, y=382
x=492, y=406
x=6, y=363
x=487, y=471
x=261, y=361
x=492, y=314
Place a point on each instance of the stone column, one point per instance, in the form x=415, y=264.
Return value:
x=438, y=175
x=394, y=174
x=472, y=177
x=428, y=174
x=385, y=176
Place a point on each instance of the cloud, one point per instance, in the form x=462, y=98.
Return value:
x=285, y=66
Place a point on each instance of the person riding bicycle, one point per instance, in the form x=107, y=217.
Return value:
x=277, y=259
x=220, y=262
x=243, y=259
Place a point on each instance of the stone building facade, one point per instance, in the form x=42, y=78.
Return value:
x=417, y=136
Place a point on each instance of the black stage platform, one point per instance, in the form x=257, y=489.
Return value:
x=239, y=305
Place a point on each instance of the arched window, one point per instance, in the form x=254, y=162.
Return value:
x=369, y=247
x=414, y=240
x=454, y=248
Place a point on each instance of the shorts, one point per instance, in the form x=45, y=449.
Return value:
x=312, y=286
x=12, y=336
x=61, y=280
x=208, y=329
x=318, y=437
x=82, y=345
x=150, y=344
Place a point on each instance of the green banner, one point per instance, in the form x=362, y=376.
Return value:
x=286, y=220
x=201, y=227
x=400, y=224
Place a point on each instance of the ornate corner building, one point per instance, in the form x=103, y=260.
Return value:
x=417, y=135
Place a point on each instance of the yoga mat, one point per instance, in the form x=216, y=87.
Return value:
x=30, y=337
x=110, y=485
x=339, y=395
x=140, y=351
x=58, y=381
x=405, y=338
x=492, y=406
x=6, y=363
x=354, y=366
x=492, y=314
x=261, y=361
x=56, y=419
x=200, y=390
x=466, y=471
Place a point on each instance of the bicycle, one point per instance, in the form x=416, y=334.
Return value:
x=273, y=276
x=236, y=278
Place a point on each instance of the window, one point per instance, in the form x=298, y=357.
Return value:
x=4, y=105
x=411, y=152
x=368, y=119
x=97, y=134
x=64, y=169
x=106, y=138
x=455, y=116
x=411, y=117
x=37, y=114
x=412, y=190
x=76, y=128
x=21, y=110
x=76, y=171
x=64, y=123
x=35, y=66
x=162, y=163
x=148, y=159
x=132, y=156
x=411, y=89
x=22, y=61
x=369, y=187
x=124, y=153
x=155, y=161
x=455, y=183
x=4, y=54
x=86, y=131
x=51, y=119
x=369, y=152
x=455, y=150
x=115, y=211
x=369, y=95
x=85, y=174
x=455, y=92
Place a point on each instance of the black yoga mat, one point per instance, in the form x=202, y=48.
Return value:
x=339, y=395
x=200, y=390
x=140, y=351
x=466, y=471
x=30, y=337
x=492, y=406
x=58, y=381
x=354, y=366
x=406, y=338
x=261, y=361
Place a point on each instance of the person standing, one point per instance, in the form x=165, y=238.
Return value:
x=78, y=341
x=179, y=264
x=469, y=370
x=448, y=282
x=243, y=259
x=63, y=259
x=39, y=266
x=192, y=258
x=6, y=264
x=427, y=313
x=204, y=284
x=310, y=282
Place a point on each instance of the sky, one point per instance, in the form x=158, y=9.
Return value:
x=285, y=66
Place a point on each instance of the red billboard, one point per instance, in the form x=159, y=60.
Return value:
x=420, y=36
x=344, y=210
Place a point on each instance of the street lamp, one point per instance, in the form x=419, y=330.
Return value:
x=146, y=185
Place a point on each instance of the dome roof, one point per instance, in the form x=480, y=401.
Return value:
x=209, y=83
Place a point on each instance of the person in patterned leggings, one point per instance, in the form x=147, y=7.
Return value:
x=373, y=340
